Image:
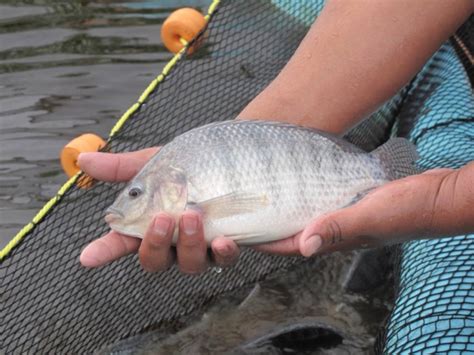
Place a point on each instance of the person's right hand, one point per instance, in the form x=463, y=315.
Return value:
x=154, y=250
x=437, y=203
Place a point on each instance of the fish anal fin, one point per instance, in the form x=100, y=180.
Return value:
x=247, y=238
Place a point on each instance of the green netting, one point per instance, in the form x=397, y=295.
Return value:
x=50, y=304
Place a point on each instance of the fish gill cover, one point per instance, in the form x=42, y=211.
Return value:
x=50, y=304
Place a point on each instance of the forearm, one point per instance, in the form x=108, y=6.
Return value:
x=357, y=55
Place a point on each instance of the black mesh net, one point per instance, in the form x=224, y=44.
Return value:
x=50, y=304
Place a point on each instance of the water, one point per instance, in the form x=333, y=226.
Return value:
x=73, y=67
x=67, y=68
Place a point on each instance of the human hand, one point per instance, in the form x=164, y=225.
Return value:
x=155, y=252
x=433, y=204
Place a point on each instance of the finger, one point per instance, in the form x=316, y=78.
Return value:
x=191, y=247
x=285, y=247
x=389, y=214
x=225, y=251
x=114, y=167
x=110, y=247
x=155, y=250
x=438, y=171
x=336, y=231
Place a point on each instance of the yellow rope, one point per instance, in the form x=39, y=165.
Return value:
x=118, y=125
x=39, y=216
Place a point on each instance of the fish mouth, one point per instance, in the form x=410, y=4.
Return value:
x=112, y=215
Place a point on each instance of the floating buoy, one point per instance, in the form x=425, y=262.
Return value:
x=181, y=27
x=85, y=143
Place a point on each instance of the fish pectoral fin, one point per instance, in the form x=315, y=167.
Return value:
x=232, y=204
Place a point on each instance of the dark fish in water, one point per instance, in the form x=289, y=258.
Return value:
x=303, y=337
x=304, y=310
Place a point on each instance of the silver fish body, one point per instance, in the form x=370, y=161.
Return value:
x=256, y=181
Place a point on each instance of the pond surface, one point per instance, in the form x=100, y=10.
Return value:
x=73, y=67
x=67, y=68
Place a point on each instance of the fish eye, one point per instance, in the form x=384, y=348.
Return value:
x=134, y=192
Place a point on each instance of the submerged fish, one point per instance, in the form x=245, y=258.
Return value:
x=255, y=181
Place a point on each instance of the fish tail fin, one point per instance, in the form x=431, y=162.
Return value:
x=398, y=157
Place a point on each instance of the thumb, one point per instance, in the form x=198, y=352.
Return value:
x=401, y=210
x=340, y=230
x=114, y=166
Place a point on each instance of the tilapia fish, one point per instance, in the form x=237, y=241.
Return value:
x=255, y=181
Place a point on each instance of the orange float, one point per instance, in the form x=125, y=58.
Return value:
x=85, y=143
x=181, y=27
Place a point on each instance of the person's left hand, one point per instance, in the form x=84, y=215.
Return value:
x=155, y=251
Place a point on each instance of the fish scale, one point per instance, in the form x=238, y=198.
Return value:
x=256, y=181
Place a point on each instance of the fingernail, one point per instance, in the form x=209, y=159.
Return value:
x=79, y=158
x=312, y=244
x=162, y=225
x=190, y=224
x=92, y=256
x=224, y=251
x=83, y=155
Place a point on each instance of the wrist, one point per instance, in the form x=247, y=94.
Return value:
x=453, y=206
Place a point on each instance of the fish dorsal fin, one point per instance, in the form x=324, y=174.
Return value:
x=231, y=204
